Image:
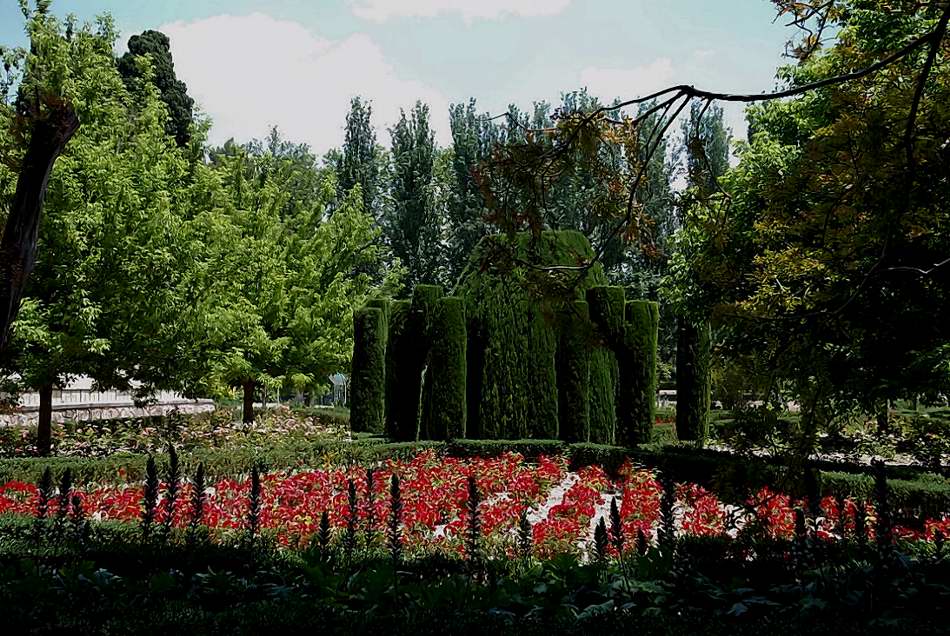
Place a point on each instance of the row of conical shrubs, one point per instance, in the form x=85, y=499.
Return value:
x=506, y=358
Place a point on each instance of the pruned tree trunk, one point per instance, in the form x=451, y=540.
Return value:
x=248, y=410
x=44, y=425
x=883, y=417
x=49, y=137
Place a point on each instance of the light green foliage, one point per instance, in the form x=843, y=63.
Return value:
x=113, y=214
x=291, y=276
x=368, y=376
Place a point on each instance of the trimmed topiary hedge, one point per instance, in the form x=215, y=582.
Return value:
x=368, y=376
x=636, y=392
x=574, y=374
x=400, y=361
x=535, y=359
x=445, y=409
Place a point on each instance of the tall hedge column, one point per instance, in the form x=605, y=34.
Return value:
x=368, y=377
x=445, y=410
x=636, y=407
x=606, y=305
x=425, y=299
x=400, y=416
x=574, y=374
x=406, y=360
x=385, y=306
x=692, y=380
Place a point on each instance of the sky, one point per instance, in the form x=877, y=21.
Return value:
x=253, y=64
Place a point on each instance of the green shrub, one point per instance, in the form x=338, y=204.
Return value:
x=445, y=410
x=368, y=377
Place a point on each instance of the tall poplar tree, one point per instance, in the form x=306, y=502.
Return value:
x=411, y=223
x=360, y=160
x=473, y=137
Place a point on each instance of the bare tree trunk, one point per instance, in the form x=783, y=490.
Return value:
x=248, y=410
x=49, y=137
x=44, y=425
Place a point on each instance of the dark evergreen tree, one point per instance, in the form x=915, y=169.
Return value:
x=174, y=92
x=411, y=224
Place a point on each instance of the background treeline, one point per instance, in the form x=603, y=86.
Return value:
x=168, y=262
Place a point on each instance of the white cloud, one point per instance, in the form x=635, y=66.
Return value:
x=382, y=10
x=251, y=72
x=626, y=83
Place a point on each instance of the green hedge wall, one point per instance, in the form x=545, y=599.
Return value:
x=445, y=409
x=514, y=330
x=574, y=374
x=368, y=376
x=692, y=380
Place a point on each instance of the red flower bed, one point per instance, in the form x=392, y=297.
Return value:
x=564, y=506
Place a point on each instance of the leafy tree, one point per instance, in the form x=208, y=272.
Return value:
x=97, y=294
x=825, y=253
x=174, y=92
x=411, y=223
x=37, y=98
x=705, y=144
x=277, y=311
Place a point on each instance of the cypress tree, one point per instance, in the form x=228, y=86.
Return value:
x=574, y=374
x=636, y=407
x=425, y=299
x=445, y=409
x=606, y=306
x=692, y=380
x=368, y=377
x=406, y=358
x=515, y=333
x=174, y=92
x=400, y=423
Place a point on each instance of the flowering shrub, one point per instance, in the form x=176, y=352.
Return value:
x=564, y=506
